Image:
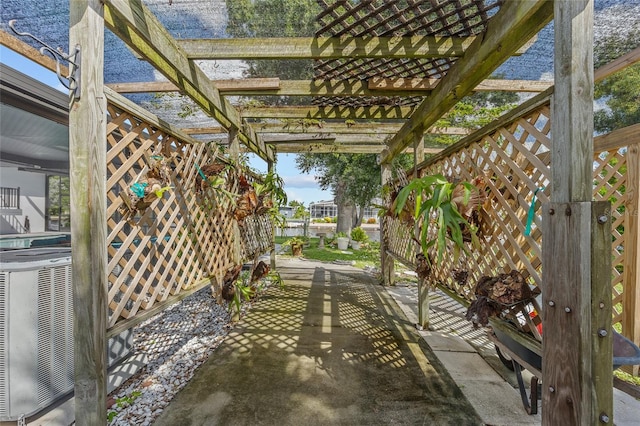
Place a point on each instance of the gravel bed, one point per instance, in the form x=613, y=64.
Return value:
x=176, y=342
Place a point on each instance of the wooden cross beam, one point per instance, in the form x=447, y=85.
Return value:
x=326, y=47
x=329, y=113
x=358, y=127
x=372, y=87
x=238, y=86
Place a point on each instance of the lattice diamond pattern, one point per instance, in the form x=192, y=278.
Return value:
x=516, y=158
x=396, y=18
x=181, y=239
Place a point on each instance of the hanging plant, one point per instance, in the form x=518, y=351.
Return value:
x=149, y=186
x=212, y=178
x=444, y=211
x=247, y=200
x=271, y=194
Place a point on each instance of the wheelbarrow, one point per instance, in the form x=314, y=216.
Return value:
x=523, y=351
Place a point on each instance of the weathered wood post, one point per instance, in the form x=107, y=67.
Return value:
x=272, y=253
x=386, y=261
x=577, y=354
x=234, y=155
x=631, y=295
x=88, y=174
x=423, y=285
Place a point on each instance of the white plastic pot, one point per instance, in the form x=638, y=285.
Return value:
x=343, y=243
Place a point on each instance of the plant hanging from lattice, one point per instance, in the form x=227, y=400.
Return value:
x=149, y=186
x=213, y=182
x=444, y=210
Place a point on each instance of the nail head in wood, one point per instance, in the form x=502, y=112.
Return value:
x=567, y=309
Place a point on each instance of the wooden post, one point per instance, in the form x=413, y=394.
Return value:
x=386, y=261
x=88, y=173
x=423, y=285
x=631, y=294
x=272, y=253
x=577, y=363
x=234, y=144
x=234, y=155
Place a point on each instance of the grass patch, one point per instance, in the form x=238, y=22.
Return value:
x=368, y=255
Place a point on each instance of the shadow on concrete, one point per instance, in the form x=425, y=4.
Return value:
x=330, y=348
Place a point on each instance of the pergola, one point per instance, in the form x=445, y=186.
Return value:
x=385, y=73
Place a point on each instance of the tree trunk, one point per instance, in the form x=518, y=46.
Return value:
x=359, y=216
x=345, y=210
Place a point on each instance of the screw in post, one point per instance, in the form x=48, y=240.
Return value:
x=602, y=332
x=603, y=219
x=552, y=303
x=604, y=418
x=567, y=309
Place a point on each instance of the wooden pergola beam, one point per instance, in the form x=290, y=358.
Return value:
x=329, y=113
x=340, y=88
x=237, y=86
x=514, y=24
x=313, y=137
x=326, y=47
x=417, y=85
x=141, y=31
x=624, y=61
x=300, y=126
x=331, y=147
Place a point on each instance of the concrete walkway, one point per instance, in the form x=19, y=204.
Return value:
x=470, y=358
x=331, y=348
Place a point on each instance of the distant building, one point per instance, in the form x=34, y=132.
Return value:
x=323, y=209
x=286, y=211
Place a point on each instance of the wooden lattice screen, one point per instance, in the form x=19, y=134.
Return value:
x=184, y=239
x=516, y=158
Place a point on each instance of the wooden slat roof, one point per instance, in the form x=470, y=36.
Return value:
x=404, y=62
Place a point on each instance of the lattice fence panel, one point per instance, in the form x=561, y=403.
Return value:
x=516, y=160
x=184, y=236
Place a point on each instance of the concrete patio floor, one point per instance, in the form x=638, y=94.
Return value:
x=335, y=347
x=331, y=348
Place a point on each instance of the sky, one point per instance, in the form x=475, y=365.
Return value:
x=299, y=187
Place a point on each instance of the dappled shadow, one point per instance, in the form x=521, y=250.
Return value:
x=326, y=349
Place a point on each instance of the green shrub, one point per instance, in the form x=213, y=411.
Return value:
x=358, y=234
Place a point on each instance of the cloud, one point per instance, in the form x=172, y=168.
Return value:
x=300, y=181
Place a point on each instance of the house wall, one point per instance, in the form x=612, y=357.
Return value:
x=32, y=200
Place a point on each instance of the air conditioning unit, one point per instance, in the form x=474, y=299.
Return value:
x=36, y=331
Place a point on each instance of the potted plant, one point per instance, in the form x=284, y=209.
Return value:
x=296, y=244
x=342, y=240
x=358, y=236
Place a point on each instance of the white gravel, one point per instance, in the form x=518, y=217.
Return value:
x=176, y=342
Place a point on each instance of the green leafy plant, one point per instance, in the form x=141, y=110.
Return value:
x=437, y=205
x=275, y=278
x=272, y=196
x=244, y=291
x=358, y=234
x=340, y=235
x=296, y=244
